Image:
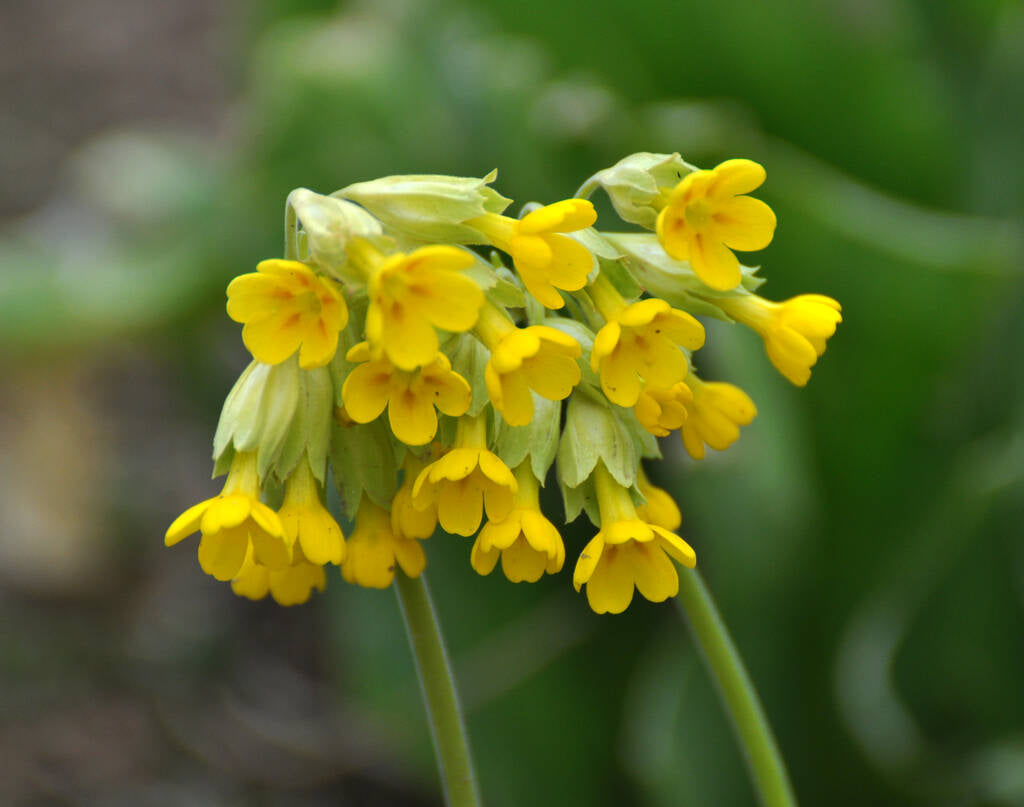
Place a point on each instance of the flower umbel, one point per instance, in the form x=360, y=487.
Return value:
x=411, y=396
x=707, y=215
x=233, y=522
x=715, y=416
x=794, y=331
x=286, y=307
x=545, y=258
x=526, y=541
x=412, y=294
x=628, y=552
x=466, y=480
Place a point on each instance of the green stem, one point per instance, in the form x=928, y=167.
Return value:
x=439, y=696
x=585, y=190
x=764, y=761
x=291, y=232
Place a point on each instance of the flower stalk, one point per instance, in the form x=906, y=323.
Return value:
x=439, y=696
x=764, y=761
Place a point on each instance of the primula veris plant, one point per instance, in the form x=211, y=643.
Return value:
x=445, y=360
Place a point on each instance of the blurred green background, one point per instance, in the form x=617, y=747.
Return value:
x=863, y=538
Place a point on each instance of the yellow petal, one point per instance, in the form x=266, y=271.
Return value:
x=565, y=216
x=515, y=401
x=319, y=344
x=483, y=560
x=413, y=418
x=736, y=176
x=587, y=561
x=366, y=391
x=270, y=550
x=222, y=553
x=410, y=556
x=610, y=589
x=656, y=578
x=714, y=262
x=570, y=263
x=745, y=223
x=551, y=375
x=187, y=523
x=676, y=547
x=460, y=506
x=522, y=563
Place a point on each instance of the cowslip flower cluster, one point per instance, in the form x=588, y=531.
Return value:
x=439, y=362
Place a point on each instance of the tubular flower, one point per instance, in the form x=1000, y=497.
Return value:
x=374, y=549
x=466, y=480
x=292, y=585
x=706, y=216
x=406, y=520
x=662, y=411
x=527, y=542
x=545, y=259
x=537, y=358
x=715, y=416
x=233, y=522
x=411, y=396
x=641, y=342
x=661, y=509
x=307, y=524
x=628, y=552
x=794, y=331
x=286, y=307
x=412, y=294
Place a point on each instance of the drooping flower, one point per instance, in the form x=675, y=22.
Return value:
x=640, y=343
x=794, y=331
x=232, y=522
x=526, y=541
x=290, y=585
x=538, y=358
x=411, y=396
x=628, y=553
x=466, y=480
x=411, y=294
x=545, y=258
x=715, y=416
x=307, y=524
x=707, y=215
x=406, y=520
x=374, y=549
x=286, y=307
x=662, y=411
x=661, y=509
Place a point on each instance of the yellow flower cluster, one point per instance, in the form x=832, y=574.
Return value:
x=471, y=353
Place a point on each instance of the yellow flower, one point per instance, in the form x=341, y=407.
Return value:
x=661, y=411
x=412, y=294
x=233, y=521
x=466, y=480
x=715, y=415
x=406, y=520
x=661, y=509
x=628, y=552
x=284, y=308
x=537, y=358
x=794, y=331
x=641, y=342
x=292, y=585
x=409, y=395
x=374, y=549
x=545, y=259
x=526, y=541
x=307, y=524
x=706, y=216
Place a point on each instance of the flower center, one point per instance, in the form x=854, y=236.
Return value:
x=698, y=212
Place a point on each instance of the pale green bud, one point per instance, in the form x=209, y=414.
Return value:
x=278, y=411
x=328, y=224
x=675, y=281
x=636, y=184
x=429, y=207
x=537, y=440
x=257, y=414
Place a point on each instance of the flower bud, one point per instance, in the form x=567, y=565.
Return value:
x=328, y=225
x=635, y=184
x=429, y=207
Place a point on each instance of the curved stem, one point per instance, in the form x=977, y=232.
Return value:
x=438, y=687
x=739, y=697
x=585, y=190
